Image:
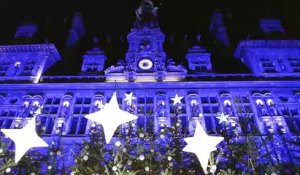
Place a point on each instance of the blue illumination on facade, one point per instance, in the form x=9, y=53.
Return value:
x=270, y=98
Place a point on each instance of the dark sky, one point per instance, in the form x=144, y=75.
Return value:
x=178, y=18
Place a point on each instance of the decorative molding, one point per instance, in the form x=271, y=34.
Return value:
x=246, y=44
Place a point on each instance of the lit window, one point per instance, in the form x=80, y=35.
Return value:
x=26, y=104
x=17, y=64
x=194, y=102
x=270, y=102
x=227, y=103
x=98, y=104
x=259, y=102
x=36, y=103
x=162, y=103
x=66, y=104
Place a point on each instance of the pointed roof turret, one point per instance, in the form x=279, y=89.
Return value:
x=76, y=31
x=78, y=25
x=218, y=28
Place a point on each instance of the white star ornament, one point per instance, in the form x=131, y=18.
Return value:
x=129, y=98
x=222, y=118
x=202, y=144
x=24, y=139
x=110, y=117
x=176, y=99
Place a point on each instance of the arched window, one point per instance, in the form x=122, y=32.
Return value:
x=194, y=105
x=161, y=105
x=37, y=101
x=260, y=104
x=65, y=106
x=160, y=112
x=267, y=111
x=17, y=68
x=226, y=103
x=195, y=113
x=26, y=105
x=98, y=102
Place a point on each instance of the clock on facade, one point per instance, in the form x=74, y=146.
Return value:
x=145, y=64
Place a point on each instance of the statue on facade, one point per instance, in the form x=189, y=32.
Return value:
x=146, y=11
x=116, y=69
x=172, y=67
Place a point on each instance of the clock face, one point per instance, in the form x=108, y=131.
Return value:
x=145, y=64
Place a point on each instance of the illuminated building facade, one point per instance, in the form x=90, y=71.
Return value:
x=270, y=95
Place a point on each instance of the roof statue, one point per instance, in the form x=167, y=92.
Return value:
x=146, y=11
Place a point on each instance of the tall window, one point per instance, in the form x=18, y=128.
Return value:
x=210, y=108
x=82, y=105
x=51, y=105
x=226, y=103
x=269, y=113
x=98, y=102
x=17, y=68
x=66, y=106
x=145, y=110
x=77, y=122
x=177, y=112
x=30, y=104
x=7, y=114
x=195, y=113
x=289, y=107
x=244, y=111
x=161, y=112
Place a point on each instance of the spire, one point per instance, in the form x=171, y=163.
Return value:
x=197, y=48
x=218, y=29
x=95, y=40
x=198, y=39
x=72, y=39
x=77, y=24
x=73, y=42
x=76, y=31
x=96, y=47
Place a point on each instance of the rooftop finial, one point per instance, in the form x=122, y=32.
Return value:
x=198, y=38
x=95, y=40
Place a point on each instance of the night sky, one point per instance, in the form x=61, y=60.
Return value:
x=112, y=19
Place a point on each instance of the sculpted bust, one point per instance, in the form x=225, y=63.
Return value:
x=146, y=11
